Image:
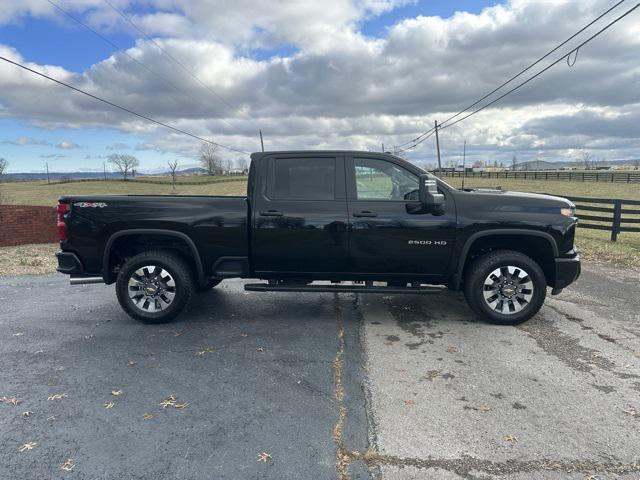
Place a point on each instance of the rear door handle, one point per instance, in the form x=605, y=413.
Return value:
x=365, y=213
x=271, y=213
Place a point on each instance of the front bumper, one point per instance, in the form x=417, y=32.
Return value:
x=69, y=263
x=567, y=271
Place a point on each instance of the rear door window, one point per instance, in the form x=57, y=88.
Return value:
x=303, y=178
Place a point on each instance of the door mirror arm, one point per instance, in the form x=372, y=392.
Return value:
x=428, y=194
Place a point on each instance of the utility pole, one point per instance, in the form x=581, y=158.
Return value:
x=104, y=169
x=382, y=147
x=438, y=148
x=464, y=163
x=261, y=140
x=47, y=166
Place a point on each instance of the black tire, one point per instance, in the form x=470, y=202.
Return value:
x=521, y=291
x=213, y=282
x=173, y=268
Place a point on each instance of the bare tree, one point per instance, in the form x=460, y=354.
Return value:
x=242, y=164
x=173, y=166
x=587, y=158
x=514, y=162
x=210, y=160
x=636, y=164
x=4, y=165
x=125, y=163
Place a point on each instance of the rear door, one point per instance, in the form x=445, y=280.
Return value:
x=387, y=235
x=300, y=215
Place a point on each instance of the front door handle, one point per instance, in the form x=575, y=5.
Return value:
x=365, y=213
x=271, y=213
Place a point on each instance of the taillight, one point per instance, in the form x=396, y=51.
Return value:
x=63, y=209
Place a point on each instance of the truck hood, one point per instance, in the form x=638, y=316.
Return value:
x=522, y=197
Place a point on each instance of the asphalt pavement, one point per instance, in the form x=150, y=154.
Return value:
x=263, y=385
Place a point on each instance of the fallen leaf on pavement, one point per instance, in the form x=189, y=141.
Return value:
x=452, y=349
x=631, y=411
x=181, y=405
x=68, y=465
x=511, y=438
x=116, y=393
x=57, y=396
x=259, y=349
x=10, y=401
x=484, y=408
x=409, y=402
x=27, y=446
x=264, y=457
x=149, y=416
x=19, y=334
x=26, y=414
x=170, y=401
x=109, y=405
x=51, y=418
x=244, y=334
x=205, y=351
x=131, y=364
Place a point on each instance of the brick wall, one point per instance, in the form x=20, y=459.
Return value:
x=21, y=224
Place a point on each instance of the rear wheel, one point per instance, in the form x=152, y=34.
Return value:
x=154, y=287
x=505, y=287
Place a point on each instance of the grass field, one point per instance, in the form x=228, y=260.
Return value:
x=595, y=245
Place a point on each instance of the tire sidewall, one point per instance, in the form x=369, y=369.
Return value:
x=484, y=266
x=176, y=268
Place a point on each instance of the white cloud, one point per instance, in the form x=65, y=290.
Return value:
x=67, y=145
x=342, y=89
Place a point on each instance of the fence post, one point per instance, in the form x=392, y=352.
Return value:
x=617, y=217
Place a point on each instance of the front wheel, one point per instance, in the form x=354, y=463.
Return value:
x=154, y=287
x=505, y=287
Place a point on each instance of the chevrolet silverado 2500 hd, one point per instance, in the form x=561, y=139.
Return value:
x=339, y=221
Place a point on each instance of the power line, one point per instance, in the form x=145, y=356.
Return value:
x=115, y=105
x=174, y=59
x=546, y=68
x=556, y=48
x=130, y=57
x=514, y=76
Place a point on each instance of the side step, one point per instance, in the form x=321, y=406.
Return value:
x=265, y=287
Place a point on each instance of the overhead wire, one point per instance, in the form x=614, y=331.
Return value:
x=176, y=61
x=130, y=57
x=599, y=32
x=521, y=72
x=120, y=107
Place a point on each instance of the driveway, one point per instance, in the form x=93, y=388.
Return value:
x=259, y=385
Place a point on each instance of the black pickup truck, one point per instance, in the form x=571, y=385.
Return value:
x=337, y=221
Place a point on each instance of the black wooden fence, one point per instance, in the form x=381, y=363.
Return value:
x=620, y=219
x=566, y=175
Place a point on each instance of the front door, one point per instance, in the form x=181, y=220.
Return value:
x=300, y=217
x=387, y=236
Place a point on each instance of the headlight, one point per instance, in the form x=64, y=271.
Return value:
x=568, y=212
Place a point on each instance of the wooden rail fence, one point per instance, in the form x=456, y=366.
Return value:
x=621, y=219
x=566, y=175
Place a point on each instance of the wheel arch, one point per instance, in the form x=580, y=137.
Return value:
x=540, y=246
x=108, y=275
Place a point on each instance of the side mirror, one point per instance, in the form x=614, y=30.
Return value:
x=428, y=192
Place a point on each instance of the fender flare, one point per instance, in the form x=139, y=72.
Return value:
x=106, y=275
x=489, y=233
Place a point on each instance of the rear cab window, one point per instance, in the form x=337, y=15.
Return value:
x=302, y=178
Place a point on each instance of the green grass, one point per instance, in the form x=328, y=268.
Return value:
x=39, y=193
x=594, y=244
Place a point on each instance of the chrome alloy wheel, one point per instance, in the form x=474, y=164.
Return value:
x=152, y=288
x=508, y=290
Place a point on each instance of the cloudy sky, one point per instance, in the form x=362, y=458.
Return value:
x=313, y=74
